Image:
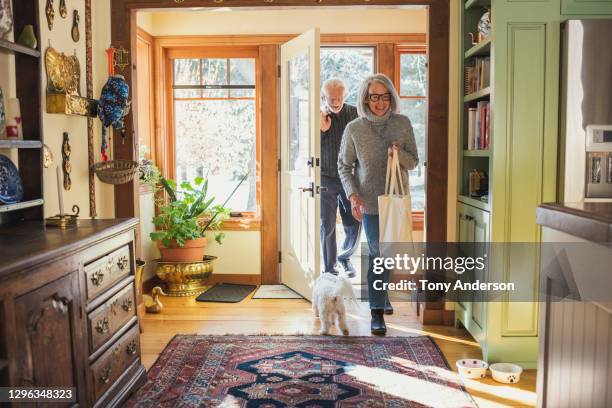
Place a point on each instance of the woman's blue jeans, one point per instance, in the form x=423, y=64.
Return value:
x=378, y=298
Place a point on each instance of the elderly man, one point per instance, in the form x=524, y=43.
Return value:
x=334, y=118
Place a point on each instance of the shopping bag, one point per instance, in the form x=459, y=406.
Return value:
x=395, y=214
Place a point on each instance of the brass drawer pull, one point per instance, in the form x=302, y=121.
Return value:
x=97, y=277
x=122, y=263
x=127, y=305
x=105, y=375
x=102, y=326
x=132, y=348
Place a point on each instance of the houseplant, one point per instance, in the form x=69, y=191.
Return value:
x=182, y=223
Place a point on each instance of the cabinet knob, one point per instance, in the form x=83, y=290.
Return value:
x=97, y=277
x=122, y=262
x=127, y=305
x=102, y=326
x=105, y=374
x=131, y=348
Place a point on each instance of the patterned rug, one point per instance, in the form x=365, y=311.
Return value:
x=301, y=372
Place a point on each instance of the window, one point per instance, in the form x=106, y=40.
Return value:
x=351, y=64
x=412, y=74
x=215, y=126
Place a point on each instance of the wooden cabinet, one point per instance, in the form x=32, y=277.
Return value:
x=56, y=329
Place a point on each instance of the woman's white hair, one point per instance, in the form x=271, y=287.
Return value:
x=364, y=90
x=332, y=83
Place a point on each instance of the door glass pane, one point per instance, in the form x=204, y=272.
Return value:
x=416, y=110
x=242, y=72
x=351, y=64
x=214, y=71
x=413, y=75
x=187, y=72
x=298, y=112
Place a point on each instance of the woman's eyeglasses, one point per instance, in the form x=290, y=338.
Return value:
x=386, y=97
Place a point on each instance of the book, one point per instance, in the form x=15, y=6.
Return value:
x=472, y=128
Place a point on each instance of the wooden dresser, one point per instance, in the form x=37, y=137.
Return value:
x=68, y=310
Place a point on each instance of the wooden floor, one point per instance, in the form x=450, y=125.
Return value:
x=186, y=316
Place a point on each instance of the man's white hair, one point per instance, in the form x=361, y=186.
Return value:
x=332, y=83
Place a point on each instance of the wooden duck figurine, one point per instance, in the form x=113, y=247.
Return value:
x=152, y=303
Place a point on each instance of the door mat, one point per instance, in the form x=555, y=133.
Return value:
x=275, y=292
x=301, y=371
x=226, y=293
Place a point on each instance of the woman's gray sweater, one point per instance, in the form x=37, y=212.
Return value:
x=362, y=162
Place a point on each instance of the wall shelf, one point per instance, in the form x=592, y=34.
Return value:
x=5, y=208
x=477, y=3
x=474, y=202
x=476, y=153
x=483, y=48
x=20, y=144
x=478, y=96
x=18, y=48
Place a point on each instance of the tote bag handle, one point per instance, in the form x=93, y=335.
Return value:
x=393, y=182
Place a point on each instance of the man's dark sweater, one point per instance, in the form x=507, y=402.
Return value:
x=331, y=140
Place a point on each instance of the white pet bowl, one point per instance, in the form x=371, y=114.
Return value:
x=506, y=373
x=472, y=368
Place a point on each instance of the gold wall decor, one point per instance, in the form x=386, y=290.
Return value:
x=63, y=10
x=50, y=14
x=63, y=86
x=76, y=35
x=66, y=165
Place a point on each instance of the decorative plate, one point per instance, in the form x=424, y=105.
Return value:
x=6, y=17
x=11, y=189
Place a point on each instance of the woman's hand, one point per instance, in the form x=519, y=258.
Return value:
x=357, y=206
x=395, y=146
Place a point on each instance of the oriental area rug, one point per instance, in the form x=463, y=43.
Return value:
x=301, y=371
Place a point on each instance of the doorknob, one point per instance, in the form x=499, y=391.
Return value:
x=310, y=189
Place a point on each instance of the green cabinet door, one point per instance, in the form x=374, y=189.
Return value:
x=586, y=7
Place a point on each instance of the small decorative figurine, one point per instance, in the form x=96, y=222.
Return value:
x=27, y=37
x=152, y=303
x=6, y=17
x=484, y=26
x=50, y=14
x=76, y=35
x=47, y=157
x=66, y=165
x=63, y=10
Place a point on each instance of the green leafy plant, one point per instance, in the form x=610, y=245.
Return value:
x=148, y=173
x=189, y=212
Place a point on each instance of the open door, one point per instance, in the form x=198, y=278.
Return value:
x=300, y=172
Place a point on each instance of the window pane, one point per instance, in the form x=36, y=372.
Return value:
x=298, y=109
x=413, y=74
x=187, y=72
x=242, y=72
x=351, y=64
x=187, y=93
x=416, y=110
x=216, y=140
x=214, y=71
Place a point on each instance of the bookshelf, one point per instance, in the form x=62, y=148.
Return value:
x=28, y=90
x=477, y=92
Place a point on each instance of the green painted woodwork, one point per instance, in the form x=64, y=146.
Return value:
x=522, y=161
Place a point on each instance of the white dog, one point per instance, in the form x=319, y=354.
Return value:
x=328, y=301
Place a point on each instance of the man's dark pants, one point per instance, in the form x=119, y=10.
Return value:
x=332, y=199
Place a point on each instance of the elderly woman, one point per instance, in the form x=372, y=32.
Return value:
x=362, y=163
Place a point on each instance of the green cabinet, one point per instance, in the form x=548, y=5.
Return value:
x=586, y=7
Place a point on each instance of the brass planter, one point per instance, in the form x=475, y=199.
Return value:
x=185, y=278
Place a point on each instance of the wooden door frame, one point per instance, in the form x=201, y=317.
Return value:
x=123, y=33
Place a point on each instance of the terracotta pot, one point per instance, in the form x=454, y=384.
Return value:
x=192, y=251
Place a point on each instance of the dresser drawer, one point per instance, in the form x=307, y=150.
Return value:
x=110, y=316
x=101, y=274
x=109, y=367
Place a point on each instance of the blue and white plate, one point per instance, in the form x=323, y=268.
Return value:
x=11, y=189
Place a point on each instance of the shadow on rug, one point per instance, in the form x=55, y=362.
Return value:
x=301, y=371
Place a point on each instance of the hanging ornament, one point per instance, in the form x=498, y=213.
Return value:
x=66, y=165
x=50, y=14
x=63, y=10
x=76, y=35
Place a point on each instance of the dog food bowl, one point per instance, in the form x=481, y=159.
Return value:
x=506, y=373
x=472, y=368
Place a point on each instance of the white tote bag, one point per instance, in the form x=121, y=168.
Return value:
x=395, y=210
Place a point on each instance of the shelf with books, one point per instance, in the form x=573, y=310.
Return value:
x=483, y=48
x=474, y=202
x=477, y=96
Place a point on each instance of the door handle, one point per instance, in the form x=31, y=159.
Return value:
x=310, y=189
x=321, y=189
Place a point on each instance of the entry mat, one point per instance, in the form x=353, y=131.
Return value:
x=226, y=293
x=275, y=292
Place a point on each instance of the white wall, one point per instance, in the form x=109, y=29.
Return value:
x=331, y=21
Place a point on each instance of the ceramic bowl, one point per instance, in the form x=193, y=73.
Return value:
x=472, y=368
x=506, y=373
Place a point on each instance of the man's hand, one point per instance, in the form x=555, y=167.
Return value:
x=325, y=121
x=357, y=206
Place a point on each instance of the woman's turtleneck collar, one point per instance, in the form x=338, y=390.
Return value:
x=377, y=120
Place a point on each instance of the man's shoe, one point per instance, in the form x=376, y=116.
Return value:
x=378, y=322
x=349, y=269
x=389, y=309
